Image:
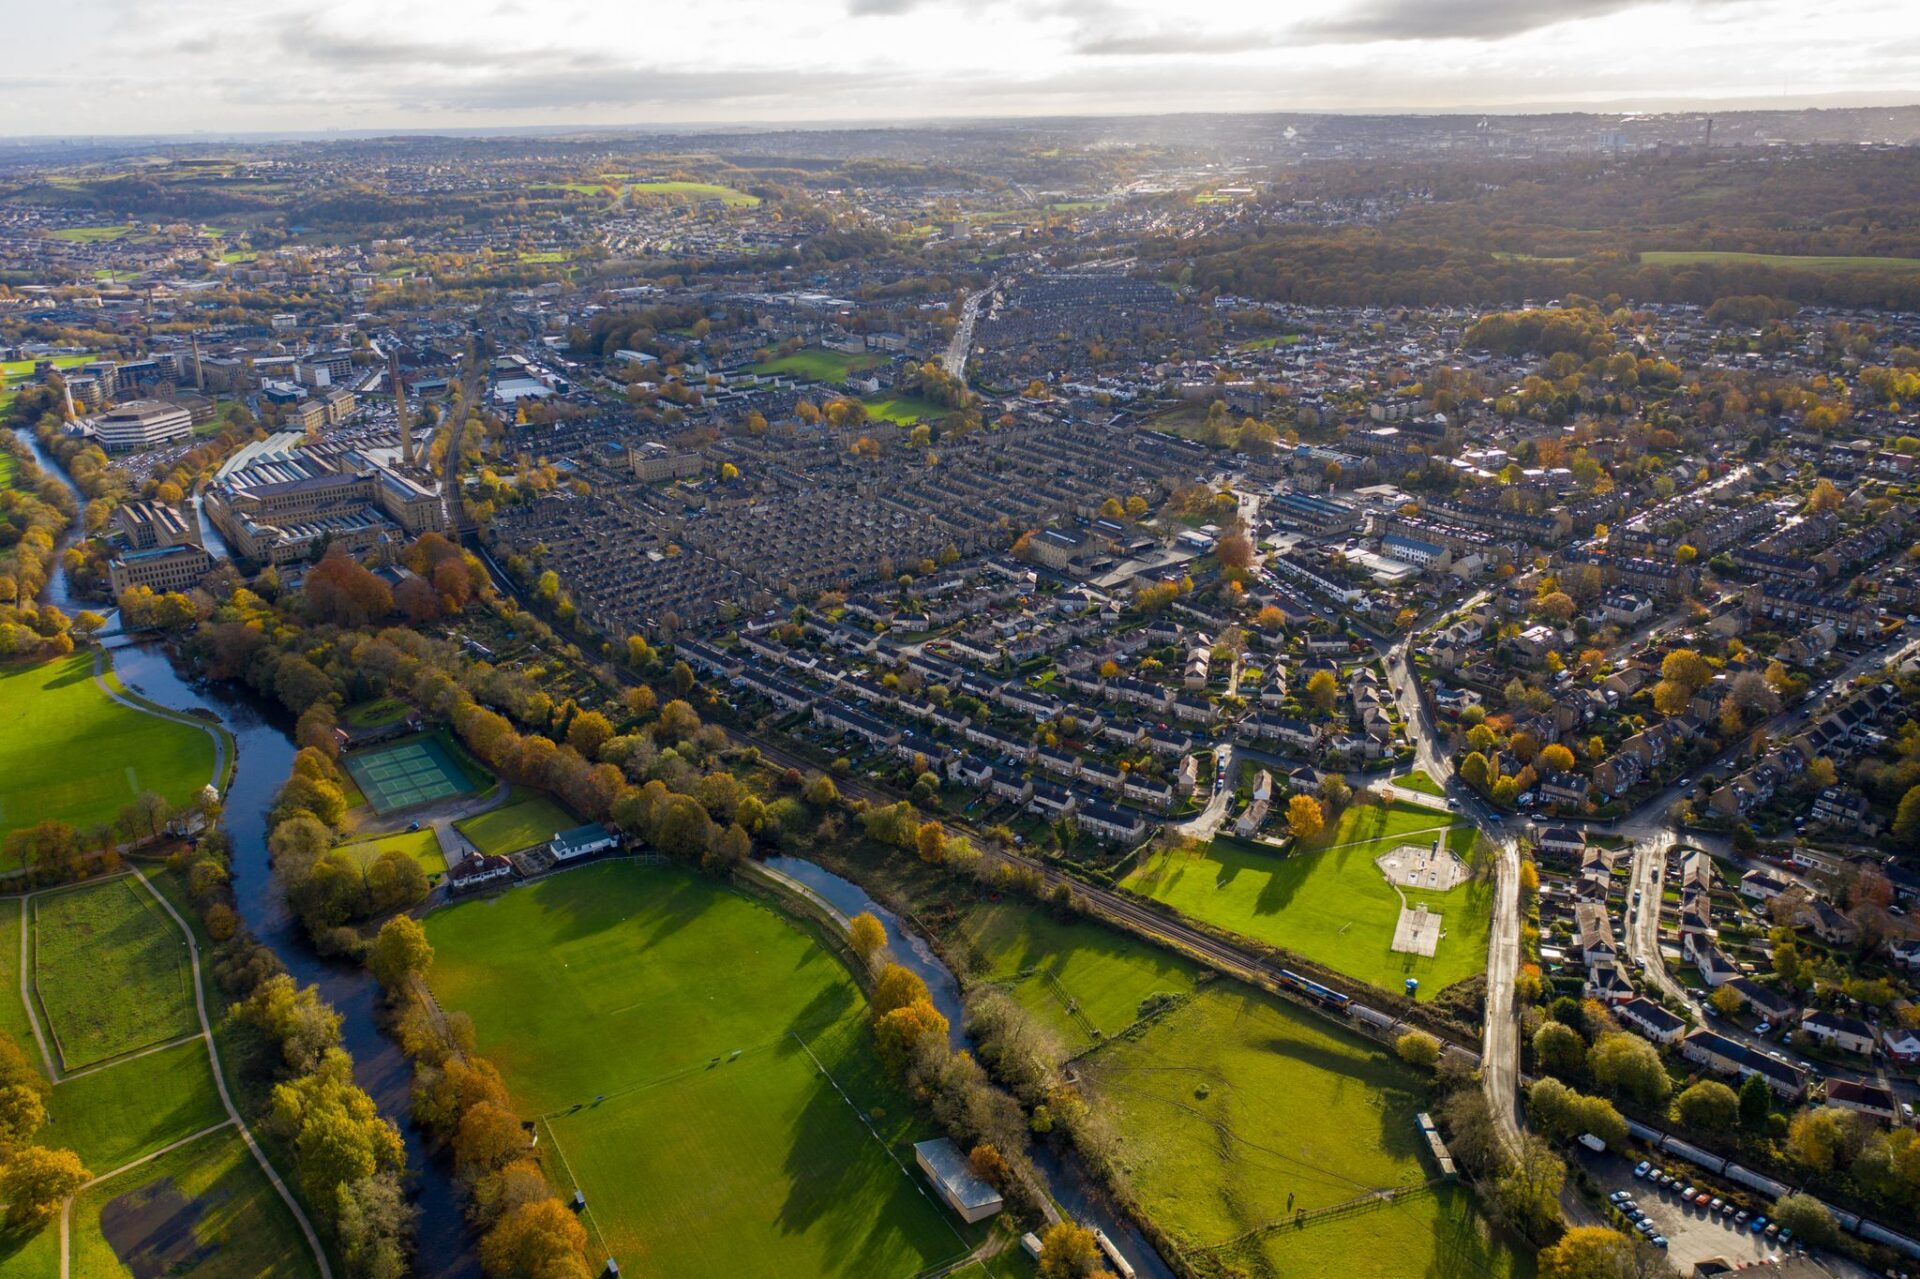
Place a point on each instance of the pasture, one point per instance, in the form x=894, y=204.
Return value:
x=1784, y=261
x=110, y=971
x=73, y=754
x=205, y=1209
x=1327, y=901
x=512, y=827
x=408, y=773
x=670, y=1035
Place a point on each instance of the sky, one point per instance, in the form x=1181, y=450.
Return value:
x=91, y=67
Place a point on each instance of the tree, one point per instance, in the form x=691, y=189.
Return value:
x=1474, y=770
x=1068, y=1251
x=866, y=935
x=1818, y=1137
x=399, y=951
x=1559, y=1049
x=932, y=843
x=1628, y=1064
x=1686, y=667
x=1304, y=818
x=1526, y=1193
x=896, y=987
x=1322, y=690
x=1417, y=1048
x=1906, y=820
x=36, y=1179
x=538, y=1240
x=1810, y=1220
x=1708, y=1106
x=1756, y=1101
x=899, y=1033
x=678, y=721
x=1235, y=551
x=1825, y=497
x=588, y=733
x=988, y=1164
x=1595, y=1252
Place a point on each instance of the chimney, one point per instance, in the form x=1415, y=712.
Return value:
x=68, y=391
x=400, y=405
x=199, y=374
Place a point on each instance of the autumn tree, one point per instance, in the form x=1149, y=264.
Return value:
x=1322, y=691
x=401, y=950
x=35, y=1180
x=1417, y=1048
x=1304, y=817
x=1596, y=1252
x=1069, y=1251
x=1707, y=1106
x=866, y=935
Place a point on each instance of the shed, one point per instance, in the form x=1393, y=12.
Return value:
x=954, y=1178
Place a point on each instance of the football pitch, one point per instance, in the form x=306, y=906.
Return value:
x=406, y=774
x=701, y=1070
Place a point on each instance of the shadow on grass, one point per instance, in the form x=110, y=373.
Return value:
x=15, y=1240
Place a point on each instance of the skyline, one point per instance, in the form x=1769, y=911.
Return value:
x=359, y=67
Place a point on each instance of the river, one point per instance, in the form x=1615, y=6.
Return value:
x=1067, y=1180
x=263, y=760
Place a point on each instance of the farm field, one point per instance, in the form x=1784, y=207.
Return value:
x=1327, y=901
x=512, y=827
x=423, y=846
x=666, y=1030
x=56, y=715
x=818, y=364
x=1785, y=261
x=205, y=1209
x=132, y=1108
x=110, y=970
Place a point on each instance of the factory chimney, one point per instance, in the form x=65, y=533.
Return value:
x=199, y=374
x=400, y=405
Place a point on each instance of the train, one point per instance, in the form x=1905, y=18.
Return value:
x=1315, y=991
x=1725, y=1168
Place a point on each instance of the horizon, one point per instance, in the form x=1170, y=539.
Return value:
x=359, y=68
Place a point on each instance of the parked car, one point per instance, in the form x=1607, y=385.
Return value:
x=1617, y=1197
x=1763, y=1028
x=1658, y=1241
x=1642, y=1168
x=1758, y=1224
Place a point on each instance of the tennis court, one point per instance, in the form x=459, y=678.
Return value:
x=407, y=773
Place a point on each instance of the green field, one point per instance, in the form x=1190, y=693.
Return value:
x=695, y=191
x=906, y=409
x=91, y=234
x=1327, y=901
x=13, y=1013
x=205, y=1209
x=1230, y=1100
x=72, y=753
x=7, y=465
x=1785, y=261
x=666, y=1028
x=817, y=364
x=1047, y=964
x=510, y=828
x=1418, y=781
x=24, y=368
x=133, y=1108
x=110, y=970
x=423, y=846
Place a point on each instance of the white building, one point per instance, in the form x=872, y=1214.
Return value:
x=141, y=424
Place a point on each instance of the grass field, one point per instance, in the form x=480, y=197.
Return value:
x=423, y=846
x=409, y=772
x=13, y=1013
x=72, y=753
x=512, y=827
x=1045, y=963
x=1418, y=781
x=24, y=368
x=7, y=465
x=1785, y=261
x=1327, y=901
x=695, y=191
x=91, y=234
x=818, y=364
x=656, y=1019
x=205, y=1209
x=377, y=713
x=110, y=970
x=906, y=409
x=133, y=1108
x=1231, y=1100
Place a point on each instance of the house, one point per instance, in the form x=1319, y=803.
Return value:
x=1766, y=1001
x=1651, y=1020
x=1902, y=1045
x=1834, y=1030
x=1868, y=1099
x=1105, y=821
x=1762, y=885
x=1724, y=1056
x=1252, y=819
x=474, y=872
x=1715, y=968
x=1568, y=789
x=953, y=1176
x=1826, y=921
x=1560, y=839
x=582, y=841
x=1593, y=934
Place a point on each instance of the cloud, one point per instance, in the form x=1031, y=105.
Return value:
x=880, y=8
x=1453, y=19
x=1169, y=43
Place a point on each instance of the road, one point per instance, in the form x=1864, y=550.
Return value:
x=1205, y=824
x=955, y=360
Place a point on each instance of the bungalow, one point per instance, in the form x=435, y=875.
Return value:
x=473, y=872
x=582, y=841
x=1651, y=1020
x=1848, y=1034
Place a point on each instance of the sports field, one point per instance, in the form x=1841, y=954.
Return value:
x=72, y=753
x=512, y=827
x=818, y=364
x=408, y=773
x=1327, y=901
x=906, y=409
x=205, y=1209
x=670, y=1033
x=110, y=971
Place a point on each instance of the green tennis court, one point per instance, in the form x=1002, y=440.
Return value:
x=416, y=771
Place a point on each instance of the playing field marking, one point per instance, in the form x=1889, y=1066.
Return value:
x=591, y=1219
x=133, y=780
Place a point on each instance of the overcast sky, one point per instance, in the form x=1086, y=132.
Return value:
x=142, y=66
